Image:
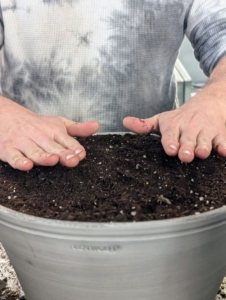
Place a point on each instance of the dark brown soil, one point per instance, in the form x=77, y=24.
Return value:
x=126, y=178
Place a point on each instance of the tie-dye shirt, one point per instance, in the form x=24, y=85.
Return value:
x=101, y=59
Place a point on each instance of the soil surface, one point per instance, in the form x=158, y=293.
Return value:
x=123, y=179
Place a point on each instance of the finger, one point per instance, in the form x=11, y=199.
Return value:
x=170, y=140
x=140, y=126
x=17, y=160
x=188, y=143
x=80, y=129
x=219, y=144
x=36, y=154
x=67, y=142
x=203, y=145
x=67, y=157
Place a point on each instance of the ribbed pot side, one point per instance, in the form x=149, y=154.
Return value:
x=173, y=259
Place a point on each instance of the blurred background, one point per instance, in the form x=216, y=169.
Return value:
x=190, y=78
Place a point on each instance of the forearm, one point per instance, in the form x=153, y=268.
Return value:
x=218, y=76
x=7, y=104
x=5, y=101
x=214, y=93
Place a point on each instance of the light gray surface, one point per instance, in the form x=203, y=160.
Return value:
x=173, y=259
x=189, y=61
x=184, y=84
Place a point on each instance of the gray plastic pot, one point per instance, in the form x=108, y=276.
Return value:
x=172, y=259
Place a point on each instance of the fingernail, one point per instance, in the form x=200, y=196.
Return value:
x=47, y=155
x=78, y=151
x=24, y=162
x=173, y=147
x=187, y=152
x=70, y=156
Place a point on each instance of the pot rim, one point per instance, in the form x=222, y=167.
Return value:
x=91, y=230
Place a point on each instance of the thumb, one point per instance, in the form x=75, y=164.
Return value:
x=81, y=129
x=138, y=125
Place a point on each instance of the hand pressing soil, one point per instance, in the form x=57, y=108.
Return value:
x=123, y=179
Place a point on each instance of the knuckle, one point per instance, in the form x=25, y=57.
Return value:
x=35, y=152
x=188, y=140
x=61, y=139
x=8, y=153
x=65, y=140
x=13, y=160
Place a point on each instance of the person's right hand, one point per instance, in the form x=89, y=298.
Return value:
x=27, y=138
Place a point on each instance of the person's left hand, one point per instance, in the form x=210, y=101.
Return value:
x=190, y=131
